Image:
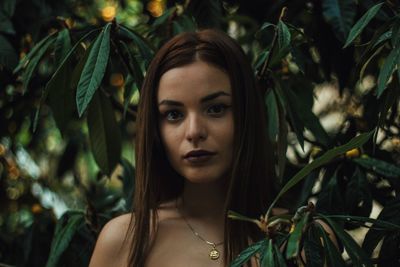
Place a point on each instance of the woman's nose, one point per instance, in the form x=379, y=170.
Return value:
x=196, y=129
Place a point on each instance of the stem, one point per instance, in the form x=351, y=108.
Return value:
x=123, y=59
x=262, y=75
x=118, y=105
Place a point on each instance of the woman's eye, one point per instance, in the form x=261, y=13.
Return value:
x=217, y=109
x=173, y=115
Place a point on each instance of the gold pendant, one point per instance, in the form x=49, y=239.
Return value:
x=214, y=254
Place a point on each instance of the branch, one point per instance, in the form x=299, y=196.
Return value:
x=262, y=75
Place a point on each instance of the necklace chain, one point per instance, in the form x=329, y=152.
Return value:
x=214, y=253
x=199, y=236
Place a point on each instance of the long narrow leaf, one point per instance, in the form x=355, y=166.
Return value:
x=105, y=137
x=387, y=70
x=381, y=167
x=249, y=252
x=94, y=70
x=63, y=237
x=293, y=246
x=22, y=64
x=283, y=36
x=333, y=257
x=383, y=224
x=145, y=49
x=362, y=23
x=325, y=158
x=34, y=62
x=357, y=255
x=339, y=14
x=280, y=260
x=313, y=248
x=267, y=259
x=62, y=45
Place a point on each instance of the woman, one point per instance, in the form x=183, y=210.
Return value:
x=201, y=150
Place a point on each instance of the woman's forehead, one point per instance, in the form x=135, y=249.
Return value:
x=193, y=80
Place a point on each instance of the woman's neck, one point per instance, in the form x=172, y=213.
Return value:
x=203, y=201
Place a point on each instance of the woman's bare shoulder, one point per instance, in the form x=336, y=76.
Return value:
x=112, y=244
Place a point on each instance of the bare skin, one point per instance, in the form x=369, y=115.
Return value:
x=174, y=245
x=194, y=103
x=195, y=107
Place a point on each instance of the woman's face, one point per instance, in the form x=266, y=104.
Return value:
x=196, y=121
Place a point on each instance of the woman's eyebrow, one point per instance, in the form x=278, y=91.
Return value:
x=170, y=103
x=213, y=95
x=204, y=99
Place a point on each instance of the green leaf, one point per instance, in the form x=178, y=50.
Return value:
x=389, y=251
x=294, y=118
x=395, y=34
x=62, y=45
x=7, y=7
x=365, y=65
x=128, y=181
x=63, y=236
x=33, y=63
x=283, y=36
x=280, y=260
x=145, y=49
x=340, y=15
x=94, y=70
x=382, y=224
x=6, y=25
x=387, y=70
x=389, y=214
x=8, y=56
x=313, y=248
x=333, y=257
x=383, y=38
x=246, y=254
x=357, y=255
x=130, y=89
x=261, y=59
x=137, y=74
x=267, y=258
x=265, y=26
x=330, y=198
x=306, y=190
x=272, y=114
x=207, y=13
x=301, y=95
x=293, y=245
x=62, y=97
x=236, y=216
x=24, y=62
x=381, y=167
x=163, y=18
x=358, y=194
x=184, y=24
x=362, y=23
x=104, y=133
x=282, y=142
x=61, y=87
x=325, y=158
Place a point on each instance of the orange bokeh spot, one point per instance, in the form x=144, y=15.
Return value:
x=156, y=8
x=117, y=79
x=108, y=13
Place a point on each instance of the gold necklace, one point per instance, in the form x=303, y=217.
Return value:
x=214, y=253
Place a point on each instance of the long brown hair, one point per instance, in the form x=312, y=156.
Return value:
x=252, y=173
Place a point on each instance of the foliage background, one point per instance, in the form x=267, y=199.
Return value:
x=67, y=119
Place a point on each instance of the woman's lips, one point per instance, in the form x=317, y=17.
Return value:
x=199, y=159
x=199, y=156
